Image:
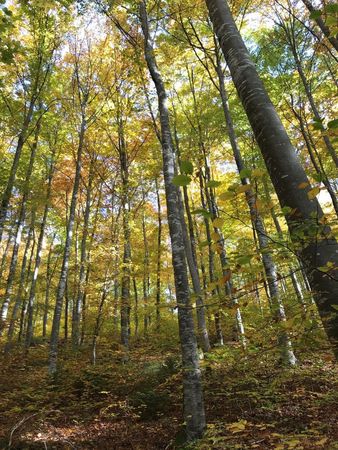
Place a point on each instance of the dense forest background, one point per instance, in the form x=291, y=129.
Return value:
x=165, y=220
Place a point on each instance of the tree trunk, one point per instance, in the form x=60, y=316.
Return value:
x=19, y=229
x=158, y=263
x=53, y=351
x=83, y=261
x=32, y=293
x=192, y=386
x=324, y=28
x=20, y=293
x=287, y=355
x=285, y=169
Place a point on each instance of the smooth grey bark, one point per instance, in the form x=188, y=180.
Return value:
x=19, y=230
x=49, y=276
x=158, y=262
x=99, y=319
x=289, y=32
x=285, y=170
x=6, y=252
x=20, y=292
x=278, y=311
x=320, y=22
x=23, y=314
x=313, y=153
x=194, y=414
x=211, y=263
x=190, y=250
x=203, y=337
x=61, y=289
x=83, y=261
x=146, y=279
x=125, y=282
x=32, y=292
x=136, y=318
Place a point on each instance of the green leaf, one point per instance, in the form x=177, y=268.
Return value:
x=245, y=259
x=315, y=14
x=331, y=21
x=213, y=183
x=317, y=124
x=202, y=212
x=333, y=124
x=181, y=180
x=332, y=8
x=245, y=173
x=187, y=167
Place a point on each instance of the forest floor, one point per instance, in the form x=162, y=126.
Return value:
x=250, y=403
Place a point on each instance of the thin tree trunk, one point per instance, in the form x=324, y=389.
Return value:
x=19, y=229
x=20, y=292
x=194, y=414
x=32, y=293
x=158, y=263
x=320, y=22
x=53, y=352
x=285, y=169
x=49, y=276
x=83, y=261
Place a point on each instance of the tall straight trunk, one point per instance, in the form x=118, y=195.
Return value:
x=20, y=292
x=6, y=196
x=136, y=318
x=158, y=263
x=83, y=261
x=211, y=263
x=290, y=36
x=285, y=169
x=190, y=250
x=320, y=22
x=194, y=414
x=88, y=267
x=125, y=283
x=49, y=276
x=19, y=229
x=32, y=293
x=53, y=350
x=6, y=252
x=99, y=319
x=25, y=293
x=278, y=310
x=146, y=280
x=313, y=153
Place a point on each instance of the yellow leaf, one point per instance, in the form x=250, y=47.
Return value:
x=256, y=173
x=243, y=188
x=218, y=223
x=215, y=236
x=313, y=193
x=303, y=185
x=321, y=441
x=227, y=195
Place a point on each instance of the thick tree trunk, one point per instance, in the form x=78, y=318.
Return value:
x=278, y=311
x=193, y=397
x=285, y=169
